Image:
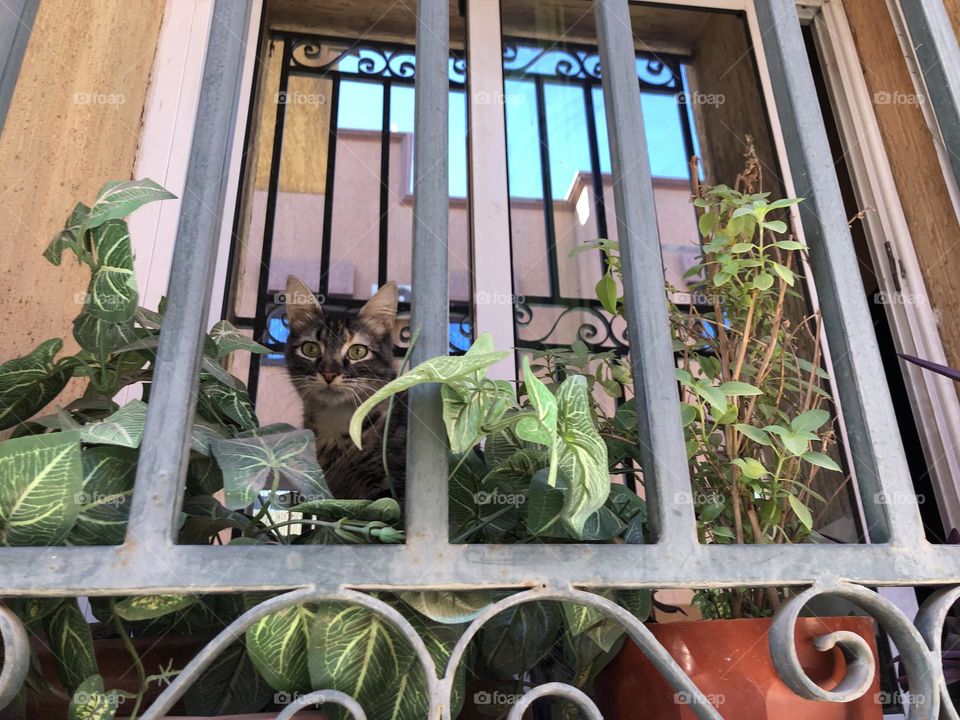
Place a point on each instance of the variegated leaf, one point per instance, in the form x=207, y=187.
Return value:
x=112, y=295
x=435, y=370
x=146, y=607
x=72, y=644
x=230, y=685
x=123, y=428
x=581, y=454
x=108, y=474
x=118, y=199
x=514, y=640
x=228, y=339
x=218, y=401
x=249, y=463
x=70, y=238
x=40, y=478
x=100, y=336
x=92, y=702
x=28, y=383
x=278, y=648
x=446, y=607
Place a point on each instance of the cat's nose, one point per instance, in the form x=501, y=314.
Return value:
x=329, y=376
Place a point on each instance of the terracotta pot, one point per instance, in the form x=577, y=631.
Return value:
x=729, y=661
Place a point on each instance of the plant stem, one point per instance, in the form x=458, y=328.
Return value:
x=134, y=655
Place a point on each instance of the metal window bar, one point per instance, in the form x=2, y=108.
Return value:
x=149, y=562
x=16, y=24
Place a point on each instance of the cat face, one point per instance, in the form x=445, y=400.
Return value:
x=338, y=358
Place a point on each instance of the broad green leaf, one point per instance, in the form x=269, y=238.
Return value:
x=738, y=389
x=581, y=454
x=809, y=421
x=230, y=685
x=802, y=511
x=785, y=202
x=470, y=407
x=712, y=394
x=104, y=500
x=92, y=702
x=750, y=467
x=580, y=618
x=785, y=273
x=763, y=281
x=146, y=607
x=821, y=460
x=516, y=639
x=71, y=642
x=465, y=483
x=448, y=607
x=218, y=401
x=28, y=383
x=228, y=339
x=754, y=433
x=123, y=428
x=638, y=602
x=383, y=509
x=708, y=223
x=790, y=245
x=607, y=293
x=202, y=434
x=40, y=477
x=436, y=370
x=100, y=336
x=249, y=463
x=776, y=226
x=356, y=651
x=112, y=295
x=118, y=199
x=541, y=429
x=278, y=648
x=69, y=238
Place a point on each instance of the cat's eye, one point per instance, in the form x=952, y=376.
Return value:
x=357, y=352
x=310, y=350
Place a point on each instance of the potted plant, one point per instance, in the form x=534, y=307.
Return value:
x=758, y=429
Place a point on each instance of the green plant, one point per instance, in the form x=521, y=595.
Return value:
x=528, y=465
x=755, y=402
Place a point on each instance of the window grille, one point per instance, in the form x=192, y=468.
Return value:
x=150, y=562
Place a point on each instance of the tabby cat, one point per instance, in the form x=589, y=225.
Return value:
x=336, y=361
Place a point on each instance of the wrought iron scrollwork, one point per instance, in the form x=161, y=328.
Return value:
x=596, y=328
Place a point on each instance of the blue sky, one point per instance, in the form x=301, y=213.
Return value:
x=361, y=107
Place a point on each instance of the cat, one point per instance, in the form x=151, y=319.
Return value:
x=335, y=361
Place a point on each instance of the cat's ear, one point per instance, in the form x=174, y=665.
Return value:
x=301, y=303
x=380, y=312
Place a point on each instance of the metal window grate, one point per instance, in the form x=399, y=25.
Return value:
x=150, y=562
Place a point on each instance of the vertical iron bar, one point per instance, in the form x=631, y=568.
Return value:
x=663, y=455
x=329, y=185
x=382, y=267
x=261, y=318
x=934, y=41
x=16, y=24
x=157, y=494
x=547, y=184
x=426, y=491
x=599, y=204
x=875, y=443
